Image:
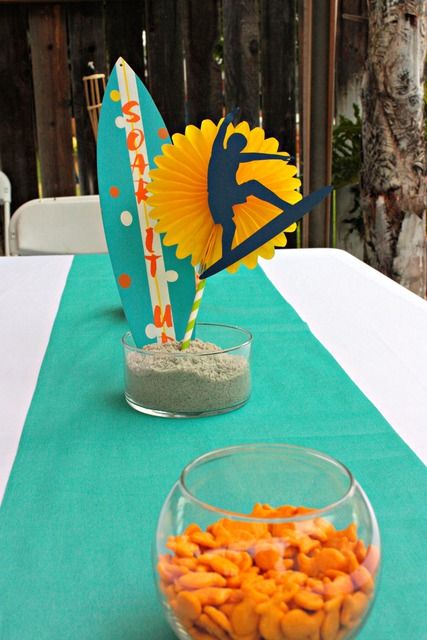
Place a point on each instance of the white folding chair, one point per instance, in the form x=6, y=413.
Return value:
x=5, y=200
x=57, y=226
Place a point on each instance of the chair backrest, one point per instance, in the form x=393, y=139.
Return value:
x=5, y=200
x=58, y=225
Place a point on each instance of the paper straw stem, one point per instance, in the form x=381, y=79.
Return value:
x=193, y=315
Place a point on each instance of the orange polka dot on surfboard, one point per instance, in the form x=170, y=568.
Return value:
x=114, y=192
x=163, y=133
x=124, y=280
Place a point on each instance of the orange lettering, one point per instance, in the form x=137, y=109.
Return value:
x=153, y=264
x=135, y=139
x=127, y=110
x=167, y=316
x=149, y=237
x=141, y=192
x=166, y=338
x=139, y=163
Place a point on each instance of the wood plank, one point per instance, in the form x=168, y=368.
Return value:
x=203, y=72
x=17, y=127
x=278, y=75
x=87, y=55
x=278, y=71
x=165, y=60
x=52, y=98
x=241, y=58
x=352, y=45
x=321, y=116
x=305, y=39
x=124, y=23
x=21, y=2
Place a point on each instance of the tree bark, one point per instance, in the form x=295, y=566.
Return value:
x=393, y=176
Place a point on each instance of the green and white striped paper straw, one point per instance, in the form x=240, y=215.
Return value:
x=193, y=315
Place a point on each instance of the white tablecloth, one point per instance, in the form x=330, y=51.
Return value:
x=374, y=328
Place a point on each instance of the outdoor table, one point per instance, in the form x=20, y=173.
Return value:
x=339, y=364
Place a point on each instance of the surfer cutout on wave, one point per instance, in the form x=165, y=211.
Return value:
x=224, y=192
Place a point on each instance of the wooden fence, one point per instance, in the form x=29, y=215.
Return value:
x=273, y=58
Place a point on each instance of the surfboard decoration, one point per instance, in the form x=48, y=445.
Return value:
x=156, y=288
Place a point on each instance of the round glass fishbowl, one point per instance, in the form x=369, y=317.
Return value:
x=266, y=542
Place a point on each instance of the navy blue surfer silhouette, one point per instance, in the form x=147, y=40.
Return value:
x=224, y=192
x=223, y=189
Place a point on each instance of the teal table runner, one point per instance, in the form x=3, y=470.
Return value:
x=90, y=476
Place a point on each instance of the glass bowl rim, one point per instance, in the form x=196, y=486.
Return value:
x=222, y=452
x=192, y=354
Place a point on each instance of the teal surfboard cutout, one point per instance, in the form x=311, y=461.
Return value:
x=156, y=289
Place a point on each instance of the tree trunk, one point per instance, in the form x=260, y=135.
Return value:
x=393, y=181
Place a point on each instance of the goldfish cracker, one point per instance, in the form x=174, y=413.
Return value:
x=288, y=579
x=188, y=606
x=183, y=547
x=226, y=609
x=219, y=617
x=282, y=530
x=340, y=586
x=212, y=595
x=246, y=530
x=236, y=596
x=307, y=544
x=245, y=561
x=190, y=563
x=206, y=623
x=270, y=623
x=263, y=511
x=350, y=533
x=316, y=585
x=308, y=600
x=193, y=580
x=328, y=559
x=307, y=565
x=353, y=608
x=360, y=550
x=197, y=634
x=169, y=572
x=220, y=564
x=267, y=557
x=244, y=619
x=251, y=592
x=266, y=586
x=331, y=622
x=203, y=539
x=191, y=529
x=352, y=561
x=334, y=573
x=363, y=580
x=299, y=625
x=234, y=582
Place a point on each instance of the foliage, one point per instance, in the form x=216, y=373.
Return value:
x=347, y=165
x=347, y=150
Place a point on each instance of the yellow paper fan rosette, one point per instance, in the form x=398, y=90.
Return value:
x=179, y=194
